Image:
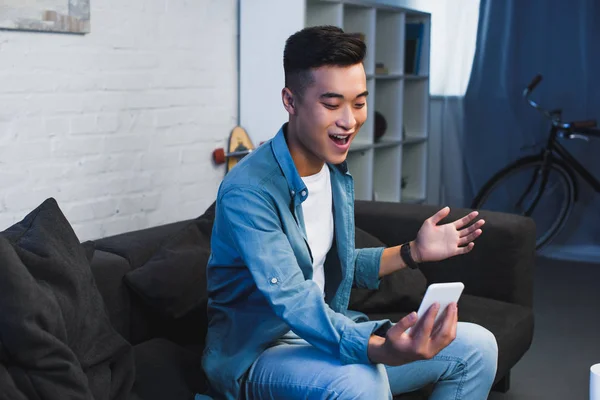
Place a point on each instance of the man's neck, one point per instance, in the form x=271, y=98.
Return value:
x=306, y=163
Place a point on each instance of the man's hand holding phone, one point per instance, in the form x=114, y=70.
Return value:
x=423, y=342
x=422, y=335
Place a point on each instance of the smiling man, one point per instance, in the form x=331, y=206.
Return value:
x=283, y=260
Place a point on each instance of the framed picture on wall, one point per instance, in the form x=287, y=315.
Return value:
x=67, y=16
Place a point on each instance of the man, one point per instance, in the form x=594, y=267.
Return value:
x=283, y=260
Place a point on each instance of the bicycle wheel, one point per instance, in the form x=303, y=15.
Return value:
x=515, y=188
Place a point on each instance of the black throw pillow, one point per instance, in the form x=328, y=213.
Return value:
x=55, y=335
x=173, y=281
x=399, y=291
x=89, y=247
x=205, y=221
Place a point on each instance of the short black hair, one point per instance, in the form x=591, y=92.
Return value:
x=318, y=46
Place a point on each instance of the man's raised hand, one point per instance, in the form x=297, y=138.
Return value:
x=437, y=242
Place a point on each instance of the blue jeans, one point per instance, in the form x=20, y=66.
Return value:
x=293, y=369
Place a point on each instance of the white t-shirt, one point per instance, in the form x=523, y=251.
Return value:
x=318, y=221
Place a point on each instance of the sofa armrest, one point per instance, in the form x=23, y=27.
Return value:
x=500, y=267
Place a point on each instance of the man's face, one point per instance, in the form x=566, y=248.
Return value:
x=328, y=116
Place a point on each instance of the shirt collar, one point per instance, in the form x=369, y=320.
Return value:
x=296, y=186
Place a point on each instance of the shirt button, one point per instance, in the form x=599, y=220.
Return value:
x=293, y=193
x=303, y=193
x=273, y=280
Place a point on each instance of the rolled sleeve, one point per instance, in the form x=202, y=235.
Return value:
x=366, y=267
x=355, y=341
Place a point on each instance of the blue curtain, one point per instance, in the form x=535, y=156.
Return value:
x=516, y=40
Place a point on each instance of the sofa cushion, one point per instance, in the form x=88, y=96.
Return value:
x=138, y=246
x=165, y=370
x=173, y=281
x=400, y=290
x=89, y=248
x=511, y=324
x=109, y=272
x=56, y=336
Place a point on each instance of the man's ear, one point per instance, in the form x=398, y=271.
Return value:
x=289, y=101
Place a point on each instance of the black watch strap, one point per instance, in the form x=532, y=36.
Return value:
x=407, y=256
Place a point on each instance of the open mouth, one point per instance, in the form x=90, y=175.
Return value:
x=340, y=139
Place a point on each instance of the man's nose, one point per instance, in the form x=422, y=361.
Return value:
x=347, y=119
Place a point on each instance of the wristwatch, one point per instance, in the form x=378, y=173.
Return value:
x=407, y=257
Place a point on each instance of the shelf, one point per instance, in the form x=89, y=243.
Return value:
x=360, y=166
x=414, y=140
x=388, y=162
x=324, y=13
x=416, y=111
x=360, y=147
x=424, y=42
x=414, y=168
x=390, y=40
x=387, y=143
x=361, y=19
x=377, y=145
x=388, y=102
x=416, y=77
x=388, y=76
x=378, y=166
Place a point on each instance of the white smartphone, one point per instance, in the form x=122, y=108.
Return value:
x=441, y=293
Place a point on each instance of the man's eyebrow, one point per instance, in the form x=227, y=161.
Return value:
x=333, y=95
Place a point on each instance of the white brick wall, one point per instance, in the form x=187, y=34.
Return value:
x=119, y=125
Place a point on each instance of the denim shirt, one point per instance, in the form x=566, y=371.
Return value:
x=260, y=269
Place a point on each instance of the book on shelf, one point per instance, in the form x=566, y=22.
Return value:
x=412, y=47
x=381, y=69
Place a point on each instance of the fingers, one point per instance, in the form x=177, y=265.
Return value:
x=466, y=220
x=466, y=249
x=439, y=323
x=424, y=325
x=401, y=326
x=472, y=228
x=445, y=331
x=467, y=239
x=440, y=215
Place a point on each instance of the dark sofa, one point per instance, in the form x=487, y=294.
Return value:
x=168, y=345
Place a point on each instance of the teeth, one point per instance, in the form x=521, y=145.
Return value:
x=339, y=136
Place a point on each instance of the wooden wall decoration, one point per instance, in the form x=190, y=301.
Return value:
x=67, y=16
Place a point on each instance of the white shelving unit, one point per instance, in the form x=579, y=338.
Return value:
x=393, y=168
x=378, y=166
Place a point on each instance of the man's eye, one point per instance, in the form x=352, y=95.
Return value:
x=330, y=106
x=359, y=105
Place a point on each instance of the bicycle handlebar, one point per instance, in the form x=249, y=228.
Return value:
x=534, y=82
x=584, y=124
x=584, y=127
x=589, y=131
x=548, y=114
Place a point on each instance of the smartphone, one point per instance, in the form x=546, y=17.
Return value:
x=441, y=293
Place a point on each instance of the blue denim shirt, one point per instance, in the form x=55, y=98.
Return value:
x=260, y=269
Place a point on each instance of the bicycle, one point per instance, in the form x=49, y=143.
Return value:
x=547, y=178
